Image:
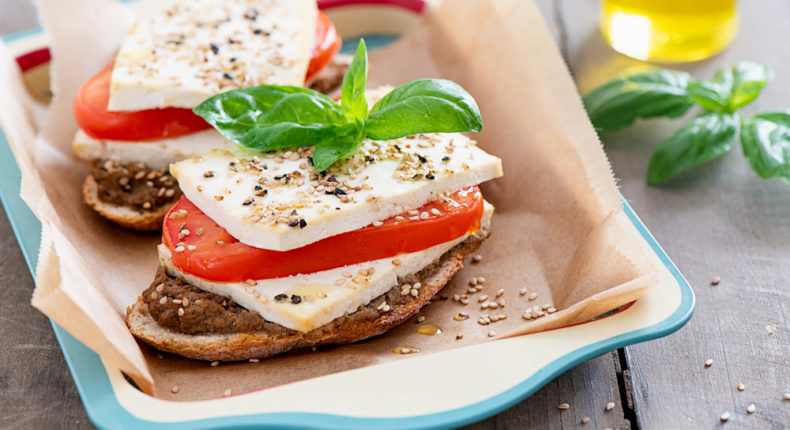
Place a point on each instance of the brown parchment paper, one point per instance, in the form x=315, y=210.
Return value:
x=558, y=231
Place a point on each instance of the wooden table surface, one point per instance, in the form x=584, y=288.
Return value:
x=719, y=220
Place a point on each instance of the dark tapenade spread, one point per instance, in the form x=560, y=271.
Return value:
x=134, y=185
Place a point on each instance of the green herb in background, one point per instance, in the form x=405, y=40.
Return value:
x=765, y=137
x=271, y=117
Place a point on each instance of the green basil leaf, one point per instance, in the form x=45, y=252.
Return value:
x=269, y=117
x=343, y=143
x=352, y=96
x=766, y=144
x=748, y=81
x=423, y=106
x=731, y=88
x=710, y=95
x=705, y=138
x=655, y=92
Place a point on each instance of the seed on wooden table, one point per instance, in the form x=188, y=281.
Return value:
x=477, y=258
x=585, y=420
x=609, y=406
x=715, y=280
x=725, y=416
x=563, y=406
x=751, y=408
x=174, y=389
x=709, y=362
x=741, y=387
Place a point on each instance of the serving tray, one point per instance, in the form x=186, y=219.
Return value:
x=515, y=368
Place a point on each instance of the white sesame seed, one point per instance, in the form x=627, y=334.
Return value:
x=377, y=224
x=174, y=389
x=180, y=248
x=533, y=296
x=563, y=406
x=477, y=258
x=181, y=312
x=420, y=318
x=191, y=247
x=414, y=292
x=725, y=416
x=482, y=298
x=546, y=306
x=417, y=285
x=526, y=316
x=254, y=360
x=585, y=420
x=715, y=280
x=609, y=406
x=709, y=362
x=522, y=291
x=491, y=333
x=228, y=392
x=163, y=300
x=500, y=292
x=396, y=262
x=435, y=211
x=214, y=363
x=751, y=408
x=787, y=396
x=551, y=310
x=740, y=386
x=340, y=281
x=481, y=280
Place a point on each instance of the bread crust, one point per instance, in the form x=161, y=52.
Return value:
x=343, y=330
x=121, y=215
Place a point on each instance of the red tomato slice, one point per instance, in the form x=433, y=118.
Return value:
x=90, y=104
x=215, y=255
x=327, y=43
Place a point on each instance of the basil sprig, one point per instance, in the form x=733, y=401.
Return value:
x=765, y=137
x=271, y=117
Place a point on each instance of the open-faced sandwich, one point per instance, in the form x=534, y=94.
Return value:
x=332, y=224
x=136, y=117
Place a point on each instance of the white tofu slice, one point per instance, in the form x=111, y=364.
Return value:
x=189, y=51
x=276, y=200
x=322, y=300
x=156, y=154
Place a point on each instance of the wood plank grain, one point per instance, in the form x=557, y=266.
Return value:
x=718, y=220
x=36, y=388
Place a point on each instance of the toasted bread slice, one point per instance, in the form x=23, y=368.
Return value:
x=366, y=322
x=122, y=215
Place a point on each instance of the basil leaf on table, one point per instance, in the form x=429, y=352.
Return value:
x=270, y=117
x=705, y=138
x=423, y=106
x=731, y=88
x=766, y=144
x=352, y=95
x=655, y=92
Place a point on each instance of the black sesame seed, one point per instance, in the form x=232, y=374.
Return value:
x=430, y=176
x=417, y=176
x=258, y=188
x=397, y=148
x=293, y=223
x=257, y=31
x=227, y=75
x=369, y=159
x=422, y=159
x=446, y=158
x=281, y=297
x=339, y=192
x=310, y=159
x=214, y=48
x=296, y=299
x=332, y=178
x=248, y=202
x=302, y=223
x=232, y=59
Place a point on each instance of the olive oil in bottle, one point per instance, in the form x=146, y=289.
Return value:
x=669, y=30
